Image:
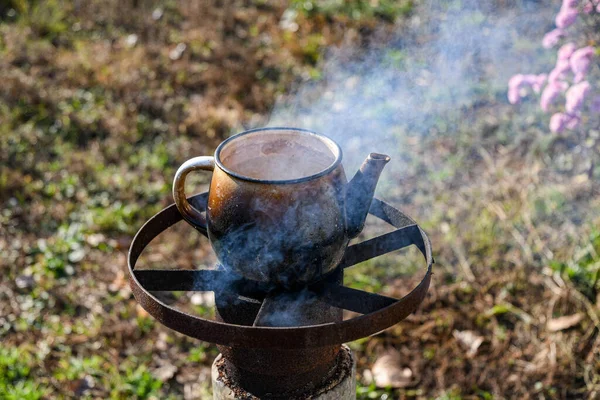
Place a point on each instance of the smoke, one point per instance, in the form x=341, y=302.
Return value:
x=414, y=82
x=296, y=309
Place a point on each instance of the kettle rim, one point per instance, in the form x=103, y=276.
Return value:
x=330, y=143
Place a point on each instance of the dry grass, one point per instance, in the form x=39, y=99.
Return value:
x=94, y=121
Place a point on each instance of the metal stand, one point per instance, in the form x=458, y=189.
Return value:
x=279, y=359
x=341, y=385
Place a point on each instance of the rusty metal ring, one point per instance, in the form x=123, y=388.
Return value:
x=286, y=337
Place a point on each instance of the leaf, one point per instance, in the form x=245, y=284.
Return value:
x=504, y=308
x=565, y=322
x=165, y=372
x=77, y=255
x=498, y=309
x=387, y=371
x=469, y=340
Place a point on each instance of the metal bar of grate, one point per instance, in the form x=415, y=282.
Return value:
x=380, y=245
x=379, y=311
x=355, y=300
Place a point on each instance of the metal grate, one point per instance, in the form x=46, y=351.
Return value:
x=378, y=312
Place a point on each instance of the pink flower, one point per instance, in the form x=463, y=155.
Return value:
x=513, y=96
x=551, y=38
x=569, y=4
x=550, y=94
x=514, y=87
x=539, y=82
x=519, y=82
x=566, y=17
x=558, y=122
x=595, y=105
x=580, y=61
x=535, y=81
x=589, y=7
x=516, y=81
x=576, y=95
x=564, y=53
x=579, y=77
x=573, y=122
x=559, y=71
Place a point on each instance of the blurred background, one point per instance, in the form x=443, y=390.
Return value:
x=101, y=101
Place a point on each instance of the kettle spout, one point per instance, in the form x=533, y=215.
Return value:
x=360, y=191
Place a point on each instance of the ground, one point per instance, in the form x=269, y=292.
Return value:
x=101, y=101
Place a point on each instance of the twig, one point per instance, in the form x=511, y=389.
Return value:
x=524, y=245
x=464, y=264
x=588, y=305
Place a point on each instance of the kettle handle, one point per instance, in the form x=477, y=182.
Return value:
x=189, y=212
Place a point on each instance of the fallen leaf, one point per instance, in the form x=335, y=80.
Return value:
x=118, y=283
x=367, y=377
x=76, y=255
x=388, y=372
x=161, y=343
x=131, y=40
x=203, y=299
x=25, y=282
x=177, y=52
x=165, y=372
x=157, y=14
x=95, y=239
x=562, y=323
x=468, y=340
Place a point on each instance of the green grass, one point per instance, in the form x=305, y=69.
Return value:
x=356, y=9
x=583, y=269
x=131, y=379
x=135, y=382
x=372, y=392
x=92, y=132
x=16, y=379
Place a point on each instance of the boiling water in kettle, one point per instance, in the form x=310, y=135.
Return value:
x=281, y=160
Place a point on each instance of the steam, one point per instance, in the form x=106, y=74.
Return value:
x=296, y=309
x=414, y=83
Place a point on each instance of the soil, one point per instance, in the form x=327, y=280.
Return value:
x=101, y=101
